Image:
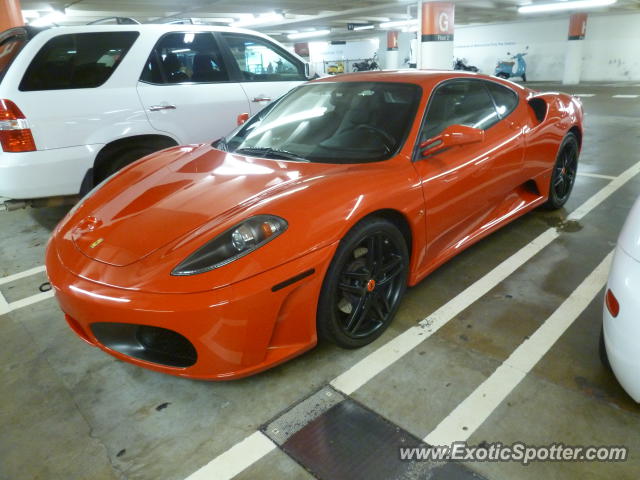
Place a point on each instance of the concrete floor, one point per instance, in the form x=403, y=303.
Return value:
x=68, y=411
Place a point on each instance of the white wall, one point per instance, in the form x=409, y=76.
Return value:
x=324, y=51
x=610, y=51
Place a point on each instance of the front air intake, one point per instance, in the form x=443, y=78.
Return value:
x=152, y=344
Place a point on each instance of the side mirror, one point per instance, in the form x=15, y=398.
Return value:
x=243, y=117
x=451, y=136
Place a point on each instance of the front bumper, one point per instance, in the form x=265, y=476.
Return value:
x=45, y=173
x=236, y=331
x=622, y=333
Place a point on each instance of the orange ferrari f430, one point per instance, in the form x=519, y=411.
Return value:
x=308, y=221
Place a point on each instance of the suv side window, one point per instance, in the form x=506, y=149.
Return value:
x=78, y=60
x=262, y=61
x=505, y=98
x=186, y=57
x=459, y=102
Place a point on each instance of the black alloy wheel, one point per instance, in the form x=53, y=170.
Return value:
x=364, y=284
x=564, y=172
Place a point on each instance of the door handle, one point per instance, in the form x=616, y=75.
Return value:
x=261, y=99
x=156, y=108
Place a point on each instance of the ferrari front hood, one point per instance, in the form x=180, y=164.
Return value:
x=141, y=211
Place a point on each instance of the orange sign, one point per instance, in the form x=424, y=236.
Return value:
x=437, y=21
x=302, y=49
x=392, y=40
x=577, y=26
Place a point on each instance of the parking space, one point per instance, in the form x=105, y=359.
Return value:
x=447, y=368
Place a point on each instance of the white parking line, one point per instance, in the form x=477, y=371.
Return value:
x=584, y=95
x=387, y=354
x=18, y=276
x=4, y=306
x=625, y=96
x=236, y=459
x=472, y=412
x=595, y=175
x=25, y=302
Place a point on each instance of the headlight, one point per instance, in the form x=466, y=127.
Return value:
x=236, y=242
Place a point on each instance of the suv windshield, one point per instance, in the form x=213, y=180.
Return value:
x=341, y=122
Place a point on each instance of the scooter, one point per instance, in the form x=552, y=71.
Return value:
x=505, y=69
x=460, y=64
x=368, y=64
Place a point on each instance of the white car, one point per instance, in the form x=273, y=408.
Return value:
x=620, y=339
x=79, y=103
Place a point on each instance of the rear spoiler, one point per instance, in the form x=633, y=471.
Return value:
x=25, y=33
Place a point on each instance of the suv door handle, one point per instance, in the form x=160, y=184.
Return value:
x=261, y=99
x=156, y=108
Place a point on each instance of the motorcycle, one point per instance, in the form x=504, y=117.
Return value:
x=505, y=69
x=366, y=65
x=460, y=64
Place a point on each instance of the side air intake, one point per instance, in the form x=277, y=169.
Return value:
x=539, y=107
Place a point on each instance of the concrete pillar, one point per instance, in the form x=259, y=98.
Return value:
x=392, y=59
x=436, y=33
x=573, y=55
x=10, y=14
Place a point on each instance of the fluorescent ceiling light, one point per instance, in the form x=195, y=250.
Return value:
x=314, y=33
x=558, y=6
x=363, y=27
x=398, y=23
x=49, y=19
x=259, y=20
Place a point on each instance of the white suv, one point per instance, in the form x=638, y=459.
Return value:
x=79, y=103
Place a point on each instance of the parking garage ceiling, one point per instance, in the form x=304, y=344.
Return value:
x=286, y=16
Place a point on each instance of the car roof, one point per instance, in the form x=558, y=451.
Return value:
x=418, y=77
x=152, y=28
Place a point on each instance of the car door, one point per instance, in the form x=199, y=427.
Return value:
x=187, y=89
x=466, y=187
x=266, y=70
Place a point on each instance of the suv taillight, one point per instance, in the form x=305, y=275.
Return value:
x=15, y=134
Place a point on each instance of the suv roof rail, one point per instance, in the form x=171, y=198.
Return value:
x=118, y=20
x=176, y=21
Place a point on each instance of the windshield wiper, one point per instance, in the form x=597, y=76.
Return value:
x=268, y=152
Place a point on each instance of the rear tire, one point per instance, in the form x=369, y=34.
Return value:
x=114, y=158
x=502, y=75
x=364, y=284
x=564, y=173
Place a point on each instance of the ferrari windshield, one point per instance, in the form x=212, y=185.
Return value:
x=337, y=122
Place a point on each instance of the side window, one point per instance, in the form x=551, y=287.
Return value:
x=261, y=61
x=459, y=102
x=185, y=58
x=505, y=98
x=80, y=60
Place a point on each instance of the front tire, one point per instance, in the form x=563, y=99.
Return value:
x=564, y=173
x=364, y=284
